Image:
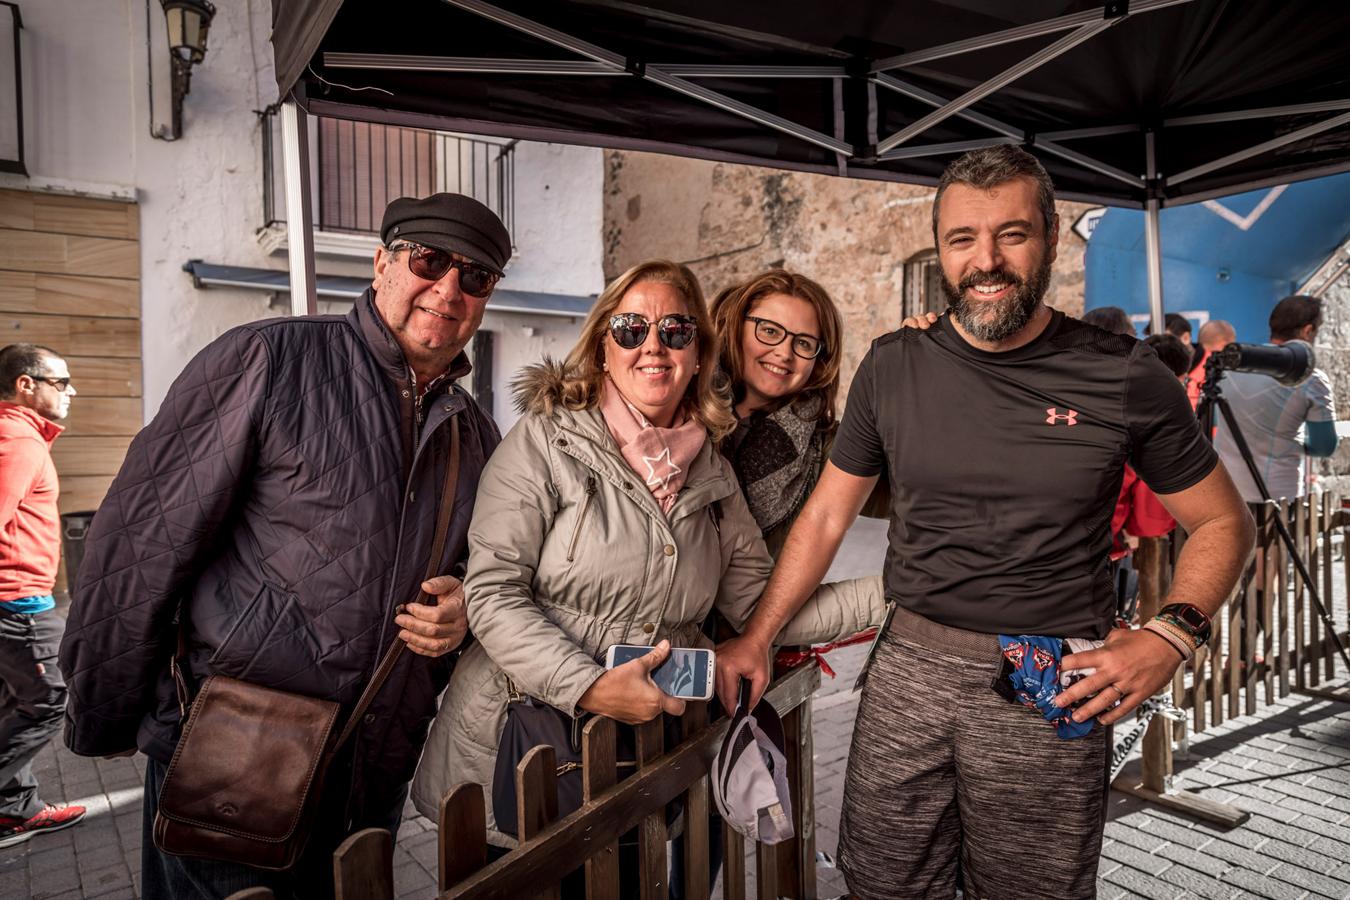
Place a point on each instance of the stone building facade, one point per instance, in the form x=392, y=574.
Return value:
x=869, y=243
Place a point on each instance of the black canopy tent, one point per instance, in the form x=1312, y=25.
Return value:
x=1138, y=104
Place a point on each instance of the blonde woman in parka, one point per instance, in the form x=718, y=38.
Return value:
x=570, y=552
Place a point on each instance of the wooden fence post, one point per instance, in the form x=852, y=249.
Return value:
x=599, y=773
x=1153, y=783
x=537, y=804
x=1287, y=644
x=652, y=830
x=1149, y=562
x=363, y=866
x=697, y=862
x=797, y=857
x=462, y=835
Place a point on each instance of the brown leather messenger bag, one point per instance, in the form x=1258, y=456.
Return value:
x=245, y=779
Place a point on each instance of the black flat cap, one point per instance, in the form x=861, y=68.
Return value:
x=450, y=222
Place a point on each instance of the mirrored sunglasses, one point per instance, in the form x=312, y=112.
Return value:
x=629, y=330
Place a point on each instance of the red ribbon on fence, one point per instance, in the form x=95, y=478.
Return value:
x=794, y=658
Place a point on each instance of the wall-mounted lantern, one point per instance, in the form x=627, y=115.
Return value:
x=187, y=22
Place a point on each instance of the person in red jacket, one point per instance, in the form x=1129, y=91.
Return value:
x=35, y=394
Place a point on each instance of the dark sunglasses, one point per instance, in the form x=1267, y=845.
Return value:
x=61, y=384
x=771, y=333
x=629, y=330
x=431, y=264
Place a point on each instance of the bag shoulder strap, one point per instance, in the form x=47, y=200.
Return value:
x=391, y=656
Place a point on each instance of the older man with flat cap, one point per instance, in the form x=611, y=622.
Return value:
x=275, y=522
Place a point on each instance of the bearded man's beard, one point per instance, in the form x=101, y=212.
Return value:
x=996, y=320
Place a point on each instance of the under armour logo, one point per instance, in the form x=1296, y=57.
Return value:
x=1053, y=415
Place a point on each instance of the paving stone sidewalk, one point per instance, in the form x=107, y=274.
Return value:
x=1289, y=766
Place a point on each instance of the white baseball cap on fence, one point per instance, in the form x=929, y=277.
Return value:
x=749, y=774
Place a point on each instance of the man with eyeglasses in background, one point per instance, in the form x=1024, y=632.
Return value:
x=35, y=394
x=283, y=503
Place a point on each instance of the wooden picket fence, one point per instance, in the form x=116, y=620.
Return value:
x=552, y=848
x=1269, y=613
x=1297, y=651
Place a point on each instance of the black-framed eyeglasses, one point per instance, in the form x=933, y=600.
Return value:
x=676, y=331
x=61, y=384
x=771, y=333
x=431, y=264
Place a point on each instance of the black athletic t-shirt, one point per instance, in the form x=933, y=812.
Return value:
x=1004, y=468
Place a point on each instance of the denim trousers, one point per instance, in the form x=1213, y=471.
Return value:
x=168, y=877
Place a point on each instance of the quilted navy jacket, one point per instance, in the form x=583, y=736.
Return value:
x=285, y=496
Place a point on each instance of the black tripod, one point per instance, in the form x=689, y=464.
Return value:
x=1211, y=396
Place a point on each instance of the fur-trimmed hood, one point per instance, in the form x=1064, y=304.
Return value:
x=539, y=387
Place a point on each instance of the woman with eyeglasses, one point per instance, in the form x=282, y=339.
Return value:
x=779, y=334
x=607, y=516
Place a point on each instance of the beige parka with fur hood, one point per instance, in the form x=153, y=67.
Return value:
x=569, y=553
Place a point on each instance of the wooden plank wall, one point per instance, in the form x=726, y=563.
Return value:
x=70, y=279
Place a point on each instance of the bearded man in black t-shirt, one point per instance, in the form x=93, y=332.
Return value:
x=1003, y=431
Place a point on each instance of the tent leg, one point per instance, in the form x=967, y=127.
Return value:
x=1153, y=240
x=299, y=224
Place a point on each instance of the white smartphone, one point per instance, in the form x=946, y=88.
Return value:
x=687, y=673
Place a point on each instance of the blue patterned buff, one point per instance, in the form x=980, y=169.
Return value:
x=1035, y=679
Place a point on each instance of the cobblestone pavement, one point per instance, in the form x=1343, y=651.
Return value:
x=1289, y=766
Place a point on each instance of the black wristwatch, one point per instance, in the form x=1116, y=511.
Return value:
x=1190, y=618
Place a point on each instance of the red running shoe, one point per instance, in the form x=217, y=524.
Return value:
x=51, y=818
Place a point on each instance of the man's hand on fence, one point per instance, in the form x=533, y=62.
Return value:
x=742, y=657
x=627, y=692
x=435, y=630
x=1131, y=666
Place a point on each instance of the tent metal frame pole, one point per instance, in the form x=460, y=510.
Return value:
x=1229, y=190
x=1010, y=35
x=299, y=212
x=1237, y=115
x=406, y=63
x=700, y=70
x=915, y=151
x=494, y=66
x=1267, y=112
x=998, y=82
x=1263, y=147
x=1074, y=134
x=653, y=74
x=1081, y=159
x=1153, y=236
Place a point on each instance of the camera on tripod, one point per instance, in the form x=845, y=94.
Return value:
x=1289, y=363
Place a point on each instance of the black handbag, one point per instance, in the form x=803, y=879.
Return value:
x=531, y=723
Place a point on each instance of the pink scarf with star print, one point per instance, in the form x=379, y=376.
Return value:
x=659, y=456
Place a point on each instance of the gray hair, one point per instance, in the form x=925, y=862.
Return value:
x=990, y=166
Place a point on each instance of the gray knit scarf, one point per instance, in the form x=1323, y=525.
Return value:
x=777, y=459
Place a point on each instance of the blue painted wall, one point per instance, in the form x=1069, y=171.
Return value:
x=1233, y=258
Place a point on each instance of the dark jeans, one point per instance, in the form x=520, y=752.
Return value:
x=166, y=877
x=33, y=704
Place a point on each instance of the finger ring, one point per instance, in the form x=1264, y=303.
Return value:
x=1118, y=691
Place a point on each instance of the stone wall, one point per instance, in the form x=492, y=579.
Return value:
x=728, y=222
x=1333, y=357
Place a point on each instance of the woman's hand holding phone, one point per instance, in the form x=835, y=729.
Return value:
x=627, y=692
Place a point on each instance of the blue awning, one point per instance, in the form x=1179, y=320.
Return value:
x=1233, y=258
x=338, y=287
